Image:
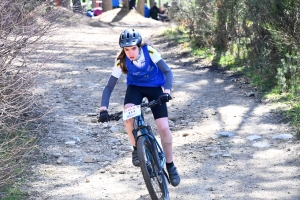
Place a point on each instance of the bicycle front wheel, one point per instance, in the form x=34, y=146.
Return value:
x=156, y=183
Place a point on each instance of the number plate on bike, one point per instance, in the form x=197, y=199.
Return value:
x=131, y=112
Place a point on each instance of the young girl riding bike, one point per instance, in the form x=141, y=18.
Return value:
x=147, y=76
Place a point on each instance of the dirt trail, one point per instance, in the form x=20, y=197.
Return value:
x=224, y=141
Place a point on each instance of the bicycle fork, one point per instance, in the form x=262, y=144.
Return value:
x=159, y=158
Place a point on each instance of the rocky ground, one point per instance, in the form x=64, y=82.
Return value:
x=228, y=144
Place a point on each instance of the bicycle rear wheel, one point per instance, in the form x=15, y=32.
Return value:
x=156, y=183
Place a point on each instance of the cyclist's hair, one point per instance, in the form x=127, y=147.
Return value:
x=122, y=57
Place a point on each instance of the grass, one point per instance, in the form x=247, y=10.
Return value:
x=14, y=193
x=291, y=99
x=294, y=115
x=14, y=146
x=203, y=53
x=178, y=34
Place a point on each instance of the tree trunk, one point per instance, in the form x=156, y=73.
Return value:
x=140, y=7
x=106, y=5
x=125, y=4
x=93, y=3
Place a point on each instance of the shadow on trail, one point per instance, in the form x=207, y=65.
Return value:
x=120, y=15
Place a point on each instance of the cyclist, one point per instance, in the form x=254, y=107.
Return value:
x=146, y=73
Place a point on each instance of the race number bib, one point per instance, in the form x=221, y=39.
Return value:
x=131, y=112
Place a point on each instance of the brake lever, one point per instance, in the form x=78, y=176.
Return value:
x=153, y=103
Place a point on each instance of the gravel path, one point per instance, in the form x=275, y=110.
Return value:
x=227, y=143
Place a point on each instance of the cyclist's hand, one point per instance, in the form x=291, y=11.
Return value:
x=104, y=117
x=164, y=98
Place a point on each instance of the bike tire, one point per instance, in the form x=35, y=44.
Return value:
x=156, y=184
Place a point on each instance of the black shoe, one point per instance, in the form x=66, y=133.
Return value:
x=174, y=176
x=135, y=158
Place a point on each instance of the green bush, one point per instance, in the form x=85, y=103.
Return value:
x=260, y=38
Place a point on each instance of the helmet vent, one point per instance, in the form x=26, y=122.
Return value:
x=127, y=35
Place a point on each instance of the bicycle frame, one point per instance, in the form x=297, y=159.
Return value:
x=143, y=132
x=140, y=129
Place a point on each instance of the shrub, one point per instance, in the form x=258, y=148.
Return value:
x=23, y=25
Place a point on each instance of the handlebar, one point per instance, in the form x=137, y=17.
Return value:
x=118, y=115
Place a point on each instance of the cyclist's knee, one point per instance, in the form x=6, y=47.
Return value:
x=128, y=122
x=164, y=130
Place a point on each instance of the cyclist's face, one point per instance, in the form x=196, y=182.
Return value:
x=132, y=52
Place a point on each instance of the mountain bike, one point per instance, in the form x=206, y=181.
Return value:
x=150, y=153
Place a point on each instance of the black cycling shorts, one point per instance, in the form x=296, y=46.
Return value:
x=135, y=95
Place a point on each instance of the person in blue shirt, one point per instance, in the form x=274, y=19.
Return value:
x=115, y=4
x=147, y=76
x=146, y=11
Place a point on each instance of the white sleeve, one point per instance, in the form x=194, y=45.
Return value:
x=154, y=55
x=117, y=71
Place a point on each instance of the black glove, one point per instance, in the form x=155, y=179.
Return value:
x=164, y=98
x=104, y=117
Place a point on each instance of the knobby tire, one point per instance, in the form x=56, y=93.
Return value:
x=157, y=185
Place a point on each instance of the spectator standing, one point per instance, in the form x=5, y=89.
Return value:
x=154, y=11
x=132, y=4
x=146, y=11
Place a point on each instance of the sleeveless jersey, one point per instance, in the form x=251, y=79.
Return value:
x=145, y=72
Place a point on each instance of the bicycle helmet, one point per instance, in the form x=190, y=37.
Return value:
x=130, y=37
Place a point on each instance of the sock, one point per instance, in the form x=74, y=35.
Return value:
x=134, y=148
x=169, y=165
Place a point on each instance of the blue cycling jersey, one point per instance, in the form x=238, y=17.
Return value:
x=147, y=74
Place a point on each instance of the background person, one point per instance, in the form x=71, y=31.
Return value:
x=132, y=4
x=154, y=11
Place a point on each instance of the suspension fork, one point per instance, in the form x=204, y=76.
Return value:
x=146, y=131
x=155, y=146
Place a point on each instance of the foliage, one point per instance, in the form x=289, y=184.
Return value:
x=203, y=53
x=178, y=34
x=260, y=38
x=14, y=193
x=294, y=115
x=24, y=24
x=196, y=16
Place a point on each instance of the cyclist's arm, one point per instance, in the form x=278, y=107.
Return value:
x=109, y=87
x=156, y=58
x=162, y=65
